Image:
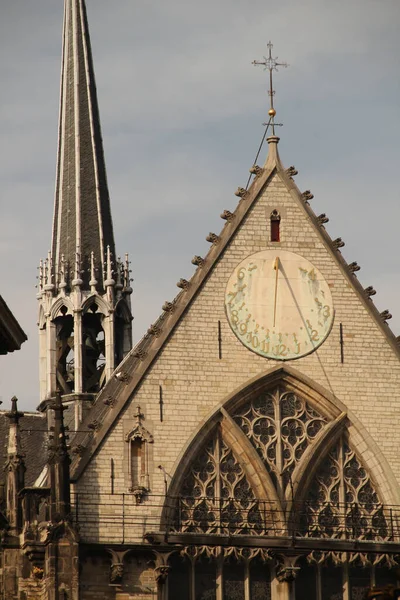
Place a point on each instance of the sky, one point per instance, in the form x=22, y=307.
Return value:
x=182, y=109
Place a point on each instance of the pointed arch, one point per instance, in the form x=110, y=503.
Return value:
x=123, y=310
x=99, y=302
x=58, y=305
x=250, y=461
x=41, y=318
x=313, y=457
x=318, y=409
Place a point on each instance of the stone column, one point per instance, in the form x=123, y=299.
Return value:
x=78, y=352
x=109, y=335
x=51, y=358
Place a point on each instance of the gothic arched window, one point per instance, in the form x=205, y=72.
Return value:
x=275, y=223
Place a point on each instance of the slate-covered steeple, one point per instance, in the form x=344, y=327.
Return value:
x=84, y=289
x=82, y=216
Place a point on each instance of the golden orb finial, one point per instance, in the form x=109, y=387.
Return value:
x=272, y=112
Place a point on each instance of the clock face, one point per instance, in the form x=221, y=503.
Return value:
x=279, y=305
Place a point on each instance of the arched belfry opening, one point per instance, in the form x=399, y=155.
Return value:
x=65, y=368
x=93, y=350
x=278, y=462
x=123, y=331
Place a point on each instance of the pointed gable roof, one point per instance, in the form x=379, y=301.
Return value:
x=82, y=216
x=130, y=373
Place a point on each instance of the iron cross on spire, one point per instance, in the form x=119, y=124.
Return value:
x=269, y=63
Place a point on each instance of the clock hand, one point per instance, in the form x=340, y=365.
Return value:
x=276, y=267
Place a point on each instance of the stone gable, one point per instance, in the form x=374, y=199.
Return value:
x=194, y=381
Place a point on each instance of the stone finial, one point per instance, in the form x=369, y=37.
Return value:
x=213, y=238
x=353, y=266
x=184, y=284
x=109, y=282
x=227, y=215
x=338, y=243
x=94, y=425
x=119, y=285
x=109, y=401
x=198, y=261
x=140, y=353
x=256, y=170
x=385, y=315
x=41, y=276
x=370, y=291
x=93, y=280
x=48, y=273
x=127, y=276
x=122, y=375
x=322, y=219
x=62, y=275
x=14, y=414
x=241, y=192
x=307, y=196
x=168, y=307
x=154, y=330
x=77, y=281
x=292, y=171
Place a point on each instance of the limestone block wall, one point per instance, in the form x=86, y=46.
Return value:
x=195, y=381
x=138, y=580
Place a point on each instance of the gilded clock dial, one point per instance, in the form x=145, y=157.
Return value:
x=279, y=305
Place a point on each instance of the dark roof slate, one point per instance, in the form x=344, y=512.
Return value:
x=82, y=213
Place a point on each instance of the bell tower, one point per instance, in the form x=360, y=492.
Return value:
x=83, y=289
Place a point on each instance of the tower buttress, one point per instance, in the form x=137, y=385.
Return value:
x=83, y=290
x=15, y=468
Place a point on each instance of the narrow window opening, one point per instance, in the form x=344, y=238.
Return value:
x=137, y=463
x=65, y=351
x=275, y=226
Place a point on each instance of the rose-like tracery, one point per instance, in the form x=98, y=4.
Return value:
x=342, y=500
x=216, y=496
x=280, y=425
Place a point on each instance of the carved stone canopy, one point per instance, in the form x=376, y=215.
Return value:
x=139, y=432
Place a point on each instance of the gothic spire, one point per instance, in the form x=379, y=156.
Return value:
x=82, y=216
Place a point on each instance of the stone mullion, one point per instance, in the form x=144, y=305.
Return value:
x=279, y=449
x=193, y=579
x=219, y=595
x=247, y=589
x=217, y=458
x=342, y=488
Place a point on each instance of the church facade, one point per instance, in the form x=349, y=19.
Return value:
x=245, y=449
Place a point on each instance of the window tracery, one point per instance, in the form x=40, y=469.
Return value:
x=342, y=500
x=280, y=425
x=216, y=496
